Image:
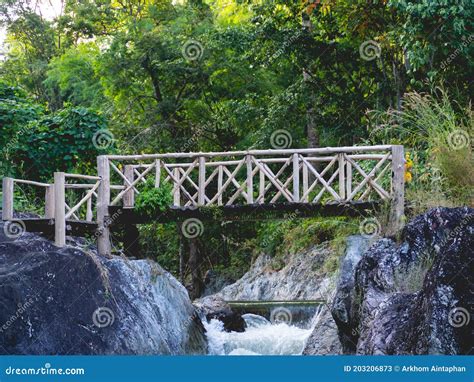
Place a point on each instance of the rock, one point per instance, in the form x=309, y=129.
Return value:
x=214, y=282
x=214, y=307
x=342, y=302
x=324, y=339
x=415, y=297
x=262, y=282
x=69, y=301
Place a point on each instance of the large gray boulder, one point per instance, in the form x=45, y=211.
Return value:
x=413, y=297
x=72, y=301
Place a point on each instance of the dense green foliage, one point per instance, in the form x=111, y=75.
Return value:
x=192, y=75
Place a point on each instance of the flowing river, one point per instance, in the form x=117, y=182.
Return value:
x=279, y=329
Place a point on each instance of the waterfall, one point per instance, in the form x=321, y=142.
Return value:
x=261, y=337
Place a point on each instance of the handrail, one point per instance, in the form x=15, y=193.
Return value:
x=322, y=150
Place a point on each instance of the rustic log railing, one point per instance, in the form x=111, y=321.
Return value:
x=333, y=174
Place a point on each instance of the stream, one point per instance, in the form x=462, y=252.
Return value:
x=279, y=328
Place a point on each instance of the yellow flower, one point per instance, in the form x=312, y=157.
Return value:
x=408, y=177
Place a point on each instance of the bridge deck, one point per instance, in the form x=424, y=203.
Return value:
x=248, y=212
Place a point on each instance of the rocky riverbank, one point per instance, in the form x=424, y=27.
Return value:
x=71, y=301
x=413, y=297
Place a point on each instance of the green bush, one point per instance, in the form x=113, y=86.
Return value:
x=437, y=133
x=153, y=199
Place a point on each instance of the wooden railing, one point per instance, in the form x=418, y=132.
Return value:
x=338, y=174
x=261, y=176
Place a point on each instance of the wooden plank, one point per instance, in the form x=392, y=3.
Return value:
x=59, y=210
x=249, y=180
x=178, y=181
x=157, y=173
x=7, y=198
x=322, y=150
x=202, y=181
x=240, y=190
x=220, y=179
x=89, y=215
x=342, y=181
x=273, y=179
x=129, y=196
x=176, y=188
x=228, y=181
x=139, y=174
x=398, y=190
x=261, y=193
x=321, y=180
x=314, y=184
x=124, y=177
x=368, y=178
x=379, y=177
x=49, y=202
x=305, y=183
x=140, y=178
x=296, y=178
x=31, y=182
x=103, y=201
x=80, y=176
x=84, y=199
x=348, y=180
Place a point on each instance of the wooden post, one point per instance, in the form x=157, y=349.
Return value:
x=296, y=178
x=398, y=190
x=220, y=180
x=176, y=188
x=157, y=173
x=342, y=181
x=202, y=181
x=261, y=196
x=59, y=210
x=249, y=180
x=49, y=202
x=348, y=179
x=305, y=182
x=129, y=196
x=7, y=198
x=103, y=201
x=89, y=214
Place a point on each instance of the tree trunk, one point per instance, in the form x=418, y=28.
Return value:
x=196, y=280
x=312, y=134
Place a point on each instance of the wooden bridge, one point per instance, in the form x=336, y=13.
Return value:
x=240, y=184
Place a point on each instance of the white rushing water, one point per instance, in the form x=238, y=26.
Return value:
x=261, y=337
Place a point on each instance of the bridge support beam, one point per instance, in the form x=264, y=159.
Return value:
x=103, y=201
x=397, y=209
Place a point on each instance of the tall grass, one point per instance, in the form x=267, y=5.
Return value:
x=438, y=134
